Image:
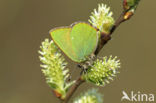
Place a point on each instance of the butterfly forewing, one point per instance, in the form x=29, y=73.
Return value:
x=61, y=37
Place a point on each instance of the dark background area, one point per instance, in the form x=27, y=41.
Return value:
x=25, y=23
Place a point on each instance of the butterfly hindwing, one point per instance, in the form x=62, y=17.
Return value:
x=84, y=39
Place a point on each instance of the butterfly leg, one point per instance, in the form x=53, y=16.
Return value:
x=83, y=68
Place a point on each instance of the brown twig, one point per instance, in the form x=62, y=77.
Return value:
x=78, y=82
x=106, y=37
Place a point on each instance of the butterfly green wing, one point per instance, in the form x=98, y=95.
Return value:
x=61, y=37
x=84, y=39
x=77, y=42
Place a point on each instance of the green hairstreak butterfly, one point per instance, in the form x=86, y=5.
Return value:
x=77, y=41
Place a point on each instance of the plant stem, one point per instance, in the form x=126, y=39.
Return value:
x=118, y=22
x=78, y=82
x=106, y=37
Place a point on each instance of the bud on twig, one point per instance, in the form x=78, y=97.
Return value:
x=102, y=71
x=91, y=96
x=102, y=18
x=54, y=68
x=129, y=7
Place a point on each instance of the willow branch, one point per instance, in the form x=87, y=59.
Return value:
x=78, y=82
x=106, y=37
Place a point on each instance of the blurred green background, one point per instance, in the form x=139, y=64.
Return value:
x=25, y=23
